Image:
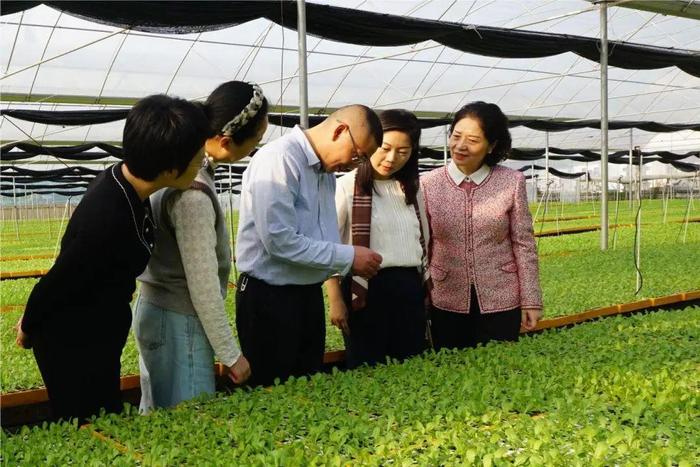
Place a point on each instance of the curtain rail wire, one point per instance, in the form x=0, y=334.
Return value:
x=358, y=60
x=182, y=62
x=675, y=72
x=496, y=65
x=14, y=42
x=491, y=86
x=75, y=49
x=43, y=54
x=347, y=73
x=256, y=51
x=618, y=84
x=577, y=60
x=555, y=84
x=442, y=50
x=35, y=141
x=588, y=101
x=573, y=13
x=455, y=62
x=282, y=28
x=390, y=57
x=64, y=130
x=253, y=48
x=690, y=143
x=500, y=60
x=219, y=42
x=390, y=83
x=117, y=32
x=459, y=57
x=106, y=78
x=296, y=73
x=530, y=141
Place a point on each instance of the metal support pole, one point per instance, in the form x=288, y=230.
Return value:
x=604, y=126
x=687, y=209
x=303, y=78
x=557, y=213
x=16, y=211
x=27, y=205
x=617, y=212
x=539, y=204
x=561, y=198
x=533, y=179
x=444, y=146
x=638, y=243
x=588, y=187
x=48, y=221
x=546, y=158
x=673, y=192
x=21, y=205
x=546, y=202
x=578, y=191
x=545, y=198
x=64, y=217
x=629, y=175
x=666, y=189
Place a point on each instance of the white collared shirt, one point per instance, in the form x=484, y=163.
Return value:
x=394, y=229
x=477, y=177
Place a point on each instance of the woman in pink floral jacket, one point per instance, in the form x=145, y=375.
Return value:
x=483, y=256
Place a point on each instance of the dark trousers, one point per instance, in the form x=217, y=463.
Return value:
x=461, y=330
x=393, y=322
x=80, y=379
x=282, y=329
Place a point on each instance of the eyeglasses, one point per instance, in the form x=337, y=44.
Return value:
x=357, y=157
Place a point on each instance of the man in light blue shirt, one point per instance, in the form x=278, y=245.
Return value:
x=288, y=241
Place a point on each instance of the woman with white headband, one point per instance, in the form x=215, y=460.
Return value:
x=180, y=321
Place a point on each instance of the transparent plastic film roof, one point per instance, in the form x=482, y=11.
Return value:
x=52, y=60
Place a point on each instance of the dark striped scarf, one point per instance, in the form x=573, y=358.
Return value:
x=360, y=230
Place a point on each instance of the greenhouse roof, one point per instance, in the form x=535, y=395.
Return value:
x=59, y=61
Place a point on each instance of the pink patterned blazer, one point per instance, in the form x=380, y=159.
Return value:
x=482, y=235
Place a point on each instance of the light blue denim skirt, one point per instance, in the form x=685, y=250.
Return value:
x=175, y=358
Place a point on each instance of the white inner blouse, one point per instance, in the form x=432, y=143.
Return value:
x=394, y=232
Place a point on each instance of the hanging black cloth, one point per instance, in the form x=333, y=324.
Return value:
x=366, y=28
x=94, y=117
x=67, y=117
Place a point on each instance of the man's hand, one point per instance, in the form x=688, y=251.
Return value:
x=366, y=262
x=240, y=371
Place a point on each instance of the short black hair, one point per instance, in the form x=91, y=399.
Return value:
x=163, y=133
x=494, y=124
x=405, y=122
x=374, y=125
x=227, y=101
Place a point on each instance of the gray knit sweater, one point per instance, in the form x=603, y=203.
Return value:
x=189, y=269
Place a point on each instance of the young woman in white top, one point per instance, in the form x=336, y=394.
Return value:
x=379, y=205
x=180, y=321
